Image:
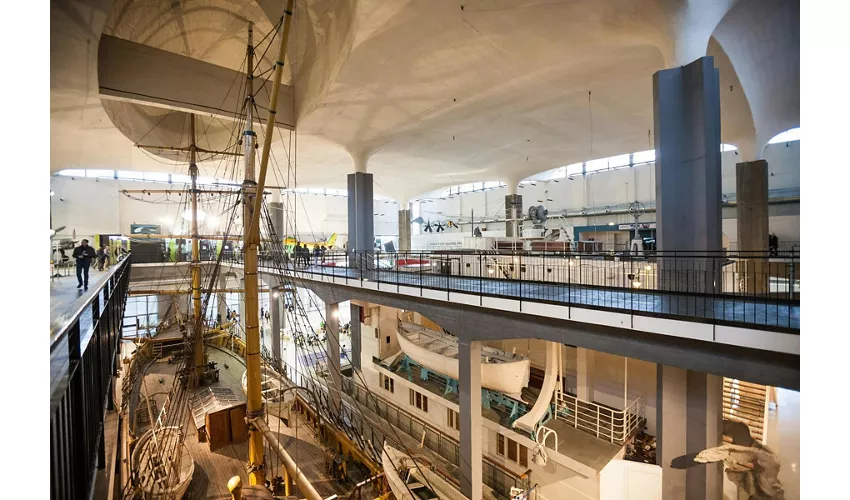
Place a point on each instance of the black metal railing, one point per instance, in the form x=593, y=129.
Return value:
x=83, y=353
x=753, y=289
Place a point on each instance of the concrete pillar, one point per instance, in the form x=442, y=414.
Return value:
x=404, y=230
x=687, y=171
x=471, y=427
x=361, y=213
x=585, y=368
x=356, y=344
x=689, y=420
x=332, y=335
x=221, y=298
x=751, y=192
x=276, y=213
x=513, y=211
x=240, y=328
x=277, y=318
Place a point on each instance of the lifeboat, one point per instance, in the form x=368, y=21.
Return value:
x=507, y=373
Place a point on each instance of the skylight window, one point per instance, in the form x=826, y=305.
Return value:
x=787, y=136
x=643, y=157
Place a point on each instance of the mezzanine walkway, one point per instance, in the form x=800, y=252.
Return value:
x=760, y=313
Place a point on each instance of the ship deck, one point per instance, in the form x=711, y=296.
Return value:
x=582, y=447
x=213, y=469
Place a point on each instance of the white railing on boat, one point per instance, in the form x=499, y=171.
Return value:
x=605, y=423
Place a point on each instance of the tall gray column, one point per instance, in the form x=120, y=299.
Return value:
x=356, y=348
x=513, y=211
x=469, y=375
x=585, y=370
x=240, y=329
x=751, y=180
x=404, y=230
x=332, y=334
x=689, y=419
x=276, y=320
x=221, y=298
x=687, y=173
x=361, y=213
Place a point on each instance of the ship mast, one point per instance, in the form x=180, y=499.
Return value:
x=198, y=330
x=251, y=226
x=256, y=474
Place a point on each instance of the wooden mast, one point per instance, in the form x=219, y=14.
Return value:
x=198, y=330
x=250, y=220
x=253, y=360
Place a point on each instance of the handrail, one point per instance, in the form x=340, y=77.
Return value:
x=64, y=322
x=429, y=426
x=737, y=289
x=606, y=423
x=83, y=364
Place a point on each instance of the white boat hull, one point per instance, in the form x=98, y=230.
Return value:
x=507, y=377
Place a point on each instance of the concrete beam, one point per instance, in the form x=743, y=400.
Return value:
x=478, y=323
x=138, y=73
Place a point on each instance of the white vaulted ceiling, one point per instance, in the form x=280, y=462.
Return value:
x=442, y=92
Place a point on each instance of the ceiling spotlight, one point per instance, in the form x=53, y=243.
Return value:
x=275, y=295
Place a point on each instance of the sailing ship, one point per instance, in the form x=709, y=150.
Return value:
x=500, y=371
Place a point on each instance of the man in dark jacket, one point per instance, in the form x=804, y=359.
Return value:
x=83, y=255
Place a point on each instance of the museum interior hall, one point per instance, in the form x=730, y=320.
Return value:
x=426, y=249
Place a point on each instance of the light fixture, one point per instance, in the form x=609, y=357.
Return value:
x=610, y=223
x=275, y=295
x=490, y=271
x=335, y=314
x=648, y=267
x=52, y=193
x=516, y=259
x=636, y=284
x=572, y=263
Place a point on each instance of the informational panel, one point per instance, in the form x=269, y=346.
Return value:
x=627, y=480
x=145, y=229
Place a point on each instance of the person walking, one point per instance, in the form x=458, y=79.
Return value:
x=83, y=254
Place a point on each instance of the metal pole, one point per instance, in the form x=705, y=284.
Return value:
x=198, y=329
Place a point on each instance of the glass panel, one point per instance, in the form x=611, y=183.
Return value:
x=574, y=169
x=618, y=161
x=787, y=136
x=523, y=456
x=100, y=174
x=500, y=444
x=72, y=172
x=595, y=165
x=156, y=176
x=644, y=156
x=131, y=175
x=512, y=450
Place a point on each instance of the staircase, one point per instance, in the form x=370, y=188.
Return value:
x=747, y=403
